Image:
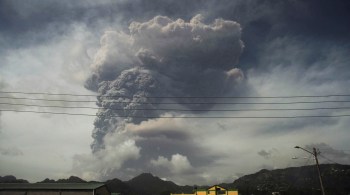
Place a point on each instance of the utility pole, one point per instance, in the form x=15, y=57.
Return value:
x=314, y=153
x=319, y=172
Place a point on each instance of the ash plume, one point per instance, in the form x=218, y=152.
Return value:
x=164, y=58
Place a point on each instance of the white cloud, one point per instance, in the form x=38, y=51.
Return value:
x=47, y=142
x=103, y=163
x=46, y=149
x=177, y=164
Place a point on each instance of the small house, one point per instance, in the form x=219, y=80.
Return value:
x=213, y=190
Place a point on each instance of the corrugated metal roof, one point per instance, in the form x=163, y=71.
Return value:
x=50, y=186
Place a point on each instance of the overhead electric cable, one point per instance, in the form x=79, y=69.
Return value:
x=190, y=103
x=180, y=110
x=50, y=106
x=328, y=159
x=43, y=99
x=183, y=97
x=204, y=117
x=45, y=112
x=42, y=93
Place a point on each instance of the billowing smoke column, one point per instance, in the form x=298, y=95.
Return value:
x=161, y=58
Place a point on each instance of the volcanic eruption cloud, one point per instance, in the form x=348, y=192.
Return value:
x=162, y=58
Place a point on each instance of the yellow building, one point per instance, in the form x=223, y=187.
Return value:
x=213, y=190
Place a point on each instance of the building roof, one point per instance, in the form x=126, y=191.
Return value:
x=50, y=186
x=214, y=187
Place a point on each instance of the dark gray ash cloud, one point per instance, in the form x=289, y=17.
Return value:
x=159, y=58
x=162, y=57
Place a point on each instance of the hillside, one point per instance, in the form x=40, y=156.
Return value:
x=71, y=179
x=118, y=186
x=296, y=180
x=293, y=180
x=11, y=179
x=148, y=184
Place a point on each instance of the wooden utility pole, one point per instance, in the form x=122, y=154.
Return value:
x=319, y=172
x=314, y=153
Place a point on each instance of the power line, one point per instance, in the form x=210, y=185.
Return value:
x=44, y=99
x=51, y=106
x=328, y=159
x=190, y=117
x=308, y=160
x=42, y=93
x=180, y=110
x=190, y=103
x=332, y=149
x=223, y=97
x=45, y=112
